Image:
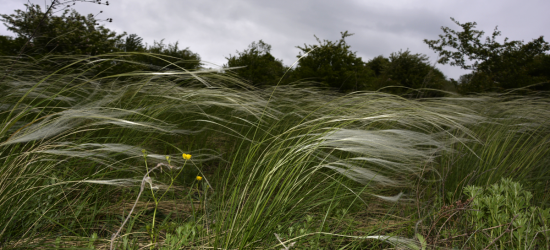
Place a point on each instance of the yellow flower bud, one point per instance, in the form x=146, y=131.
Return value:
x=199, y=178
x=186, y=156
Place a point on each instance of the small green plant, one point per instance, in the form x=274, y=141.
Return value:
x=422, y=241
x=502, y=215
x=58, y=242
x=151, y=230
x=182, y=237
x=92, y=240
x=128, y=244
x=297, y=230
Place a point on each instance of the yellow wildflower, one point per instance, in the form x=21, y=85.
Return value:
x=186, y=156
x=199, y=178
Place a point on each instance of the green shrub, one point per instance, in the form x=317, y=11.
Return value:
x=501, y=215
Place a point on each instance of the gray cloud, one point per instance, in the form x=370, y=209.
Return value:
x=216, y=29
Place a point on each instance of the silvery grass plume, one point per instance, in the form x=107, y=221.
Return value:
x=514, y=136
x=46, y=118
x=372, y=138
x=359, y=126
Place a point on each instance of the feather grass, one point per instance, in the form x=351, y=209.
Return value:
x=72, y=137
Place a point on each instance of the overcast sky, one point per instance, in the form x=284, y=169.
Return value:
x=216, y=29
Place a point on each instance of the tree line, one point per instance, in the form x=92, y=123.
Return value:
x=495, y=66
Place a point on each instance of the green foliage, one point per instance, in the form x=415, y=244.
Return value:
x=43, y=33
x=132, y=43
x=502, y=215
x=10, y=46
x=182, y=236
x=180, y=58
x=541, y=66
x=334, y=65
x=92, y=240
x=129, y=62
x=539, y=72
x=408, y=70
x=506, y=65
x=143, y=58
x=477, y=82
x=301, y=233
x=413, y=71
x=379, y=65
x=261, y=68
x=67, y=34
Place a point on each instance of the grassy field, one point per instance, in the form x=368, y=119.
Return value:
x=199, y=159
